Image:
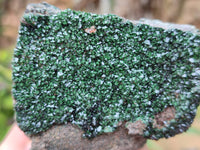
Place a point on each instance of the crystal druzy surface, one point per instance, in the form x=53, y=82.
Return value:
x=95, y=71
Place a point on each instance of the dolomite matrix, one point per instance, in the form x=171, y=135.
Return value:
x=92, y=79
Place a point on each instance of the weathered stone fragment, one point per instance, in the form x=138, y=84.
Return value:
x=100, y=72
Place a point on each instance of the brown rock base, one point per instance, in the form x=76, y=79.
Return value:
x=69, y=137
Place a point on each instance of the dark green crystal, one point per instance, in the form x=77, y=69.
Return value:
x=98, y=70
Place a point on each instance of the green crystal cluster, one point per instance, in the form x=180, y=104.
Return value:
x=95, y=71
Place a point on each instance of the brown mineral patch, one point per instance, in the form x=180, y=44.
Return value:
x=163, y=118
x=91, y=30
x=135, y=128
x=69, y=137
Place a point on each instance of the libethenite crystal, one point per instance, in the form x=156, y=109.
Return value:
x=96, y=71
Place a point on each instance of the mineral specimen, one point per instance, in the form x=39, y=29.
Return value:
x=100, y=71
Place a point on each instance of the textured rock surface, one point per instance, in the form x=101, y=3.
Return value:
x=96, y=71
x=64, y=137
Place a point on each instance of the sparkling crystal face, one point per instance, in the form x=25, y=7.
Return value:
x=98, y=70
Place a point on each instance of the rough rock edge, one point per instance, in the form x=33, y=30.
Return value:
x=41, y=9
x=47, y=9
x=168, y=25
x=70, y=137
x=163, y=118
x=135, y=128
